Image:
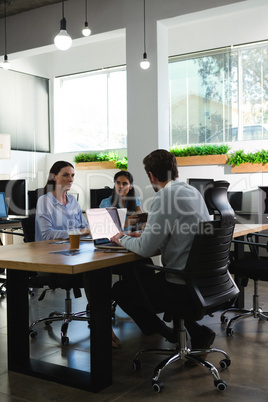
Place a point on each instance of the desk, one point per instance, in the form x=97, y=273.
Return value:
x=37, y=256
x=7, y=226
x=242, y=230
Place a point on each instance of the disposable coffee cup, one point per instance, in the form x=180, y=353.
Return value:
x=74, y=237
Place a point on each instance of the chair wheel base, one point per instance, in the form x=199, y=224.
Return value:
x=157, y=386
x=220, y=385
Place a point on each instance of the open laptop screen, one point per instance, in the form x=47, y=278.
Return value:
x=105, y=222
x=3, y=206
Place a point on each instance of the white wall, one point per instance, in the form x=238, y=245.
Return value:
x=172, y=27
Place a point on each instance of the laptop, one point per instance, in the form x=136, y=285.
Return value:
x=4, y=210
x=105, y=223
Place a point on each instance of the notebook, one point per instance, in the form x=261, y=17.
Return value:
x=105, y=223
x=4, y=210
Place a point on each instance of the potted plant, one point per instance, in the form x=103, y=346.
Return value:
x=103, y=160
x=201, y=154
x=252, y=162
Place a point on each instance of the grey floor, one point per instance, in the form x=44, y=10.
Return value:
x=246, y=378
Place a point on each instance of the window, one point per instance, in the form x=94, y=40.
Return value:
x=219, y=95
x=90, y=111
x=24, y=110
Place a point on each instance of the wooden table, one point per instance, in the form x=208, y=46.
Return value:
x=38, y=256
x=240, y=231
x=244, y=229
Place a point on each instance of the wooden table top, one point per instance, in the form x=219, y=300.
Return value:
x=40, y=256
x=244, y=229
x=46, y=256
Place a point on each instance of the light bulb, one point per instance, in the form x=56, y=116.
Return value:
x=145, y=64
x=6, y=65
x=63, y=41
x=86, y=31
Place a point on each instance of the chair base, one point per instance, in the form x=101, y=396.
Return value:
x=255, y=312
x=183, y=353
x=66, y=317
x=244, y=313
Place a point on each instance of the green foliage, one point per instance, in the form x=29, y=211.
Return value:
x=238, y=157
x=94, y=157
x=195, y=150
x=122, y=164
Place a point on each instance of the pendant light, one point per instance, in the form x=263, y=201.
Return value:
x=63, y=41
x=5, y=64
x=86, y=31
x=145, y=64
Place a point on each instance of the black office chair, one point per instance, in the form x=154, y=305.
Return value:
x=211, y=285
x=52, y=282
x=251, y=266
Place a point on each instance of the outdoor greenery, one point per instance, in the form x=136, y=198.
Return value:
x=195, y=150
x=238, y=157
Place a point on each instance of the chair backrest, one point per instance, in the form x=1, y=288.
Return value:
x=28, y=227
x=206, y=272
x=33, y=196
x=216, y=198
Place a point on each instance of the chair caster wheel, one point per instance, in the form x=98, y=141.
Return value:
x=220, y=385
x=32, y=333
x=65, y=340
x=225, y=363
x=157, y=386
x=136, y=365
x=229, y=331
x=224, y=319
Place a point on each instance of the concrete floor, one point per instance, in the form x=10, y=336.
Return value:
x=246, y=378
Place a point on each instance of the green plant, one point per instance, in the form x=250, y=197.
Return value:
x=96, y=157
x=238, y=157
x=195, y=150
x=122, y=164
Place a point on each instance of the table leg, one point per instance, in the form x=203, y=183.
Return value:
x=100, y=335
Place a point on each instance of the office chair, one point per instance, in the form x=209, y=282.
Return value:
x=252, y=266
x=52, y=282
x=210, y=283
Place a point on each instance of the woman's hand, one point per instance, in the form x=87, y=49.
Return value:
x=85, y=232
x=131, y=220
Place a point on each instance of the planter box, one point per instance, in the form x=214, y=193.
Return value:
x=250, y=168
x=95, y=165
x=201, y=160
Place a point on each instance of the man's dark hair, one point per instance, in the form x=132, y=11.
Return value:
x=162, y=164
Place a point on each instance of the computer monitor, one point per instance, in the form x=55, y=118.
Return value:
x=200, y=185
x=97, y=195
x=3, y=206
x=235, y=199
x=16, y=196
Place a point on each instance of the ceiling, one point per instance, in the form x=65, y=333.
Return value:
x=19, y=6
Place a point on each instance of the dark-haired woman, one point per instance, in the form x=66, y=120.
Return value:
x=123, y=196
x=57, y=212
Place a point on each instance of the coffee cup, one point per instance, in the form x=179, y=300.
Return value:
x=74, y=237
